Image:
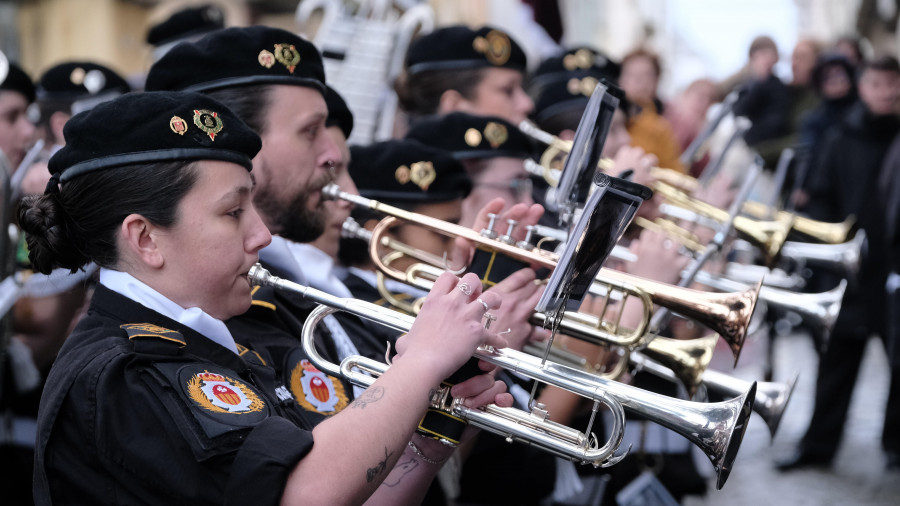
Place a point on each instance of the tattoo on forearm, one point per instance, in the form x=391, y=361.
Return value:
x=372, y=472
x=370, y=396
x=400, y=470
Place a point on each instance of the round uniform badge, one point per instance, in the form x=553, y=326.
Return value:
x=221, y=395
x=315, y=390
x=472, y=137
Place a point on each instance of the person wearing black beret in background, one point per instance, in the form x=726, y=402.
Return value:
x=16, y=131
x=417, y=178
x=51, y=302
x=20, y=382
x=491, y=149
x=460, y=69
x=151, y=400
x=72, y=87
x=185, y=25
x=433, y=182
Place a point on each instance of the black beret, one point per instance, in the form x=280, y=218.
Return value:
x=586, y=60
x=467, y=136
x=460, y=47
x=186, y=23
x=339, y=114
x=407, y=171
x=239, y=56
x=17, y=80
x=153, y=127
x=571, y=93
x=77, y=80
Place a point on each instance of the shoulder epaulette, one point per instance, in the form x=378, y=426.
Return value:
x=249, y=355
x=149, y=331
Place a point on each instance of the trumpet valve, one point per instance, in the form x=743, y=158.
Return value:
x=507, y=237
x=526, y=242
x=539, y=411
x=489, y=230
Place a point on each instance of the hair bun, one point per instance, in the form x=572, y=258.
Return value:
x=43, y=220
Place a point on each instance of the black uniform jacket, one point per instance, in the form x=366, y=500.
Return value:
x=139, y=409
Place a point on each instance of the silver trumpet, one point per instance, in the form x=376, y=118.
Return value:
x=771, y=397
x=716, y=428
x=818, y=309
x=843, y=257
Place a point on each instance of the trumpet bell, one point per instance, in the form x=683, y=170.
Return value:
x=688, y=358
x=771, y=397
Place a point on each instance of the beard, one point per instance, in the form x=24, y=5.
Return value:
x=291, y=218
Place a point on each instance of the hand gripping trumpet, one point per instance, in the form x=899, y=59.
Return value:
x=716, y=428
x=726, y=314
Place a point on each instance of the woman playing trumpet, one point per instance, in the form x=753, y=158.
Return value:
x=150, y=400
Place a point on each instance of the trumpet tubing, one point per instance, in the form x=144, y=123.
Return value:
x=771, y=397
x=716, y=428
x=830, y=233
x=844, y=257
x=769, y=236
x=820, y=309
x=726, y=314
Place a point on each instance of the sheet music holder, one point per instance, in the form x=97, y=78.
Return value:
x=608, y=212
x=581, y=164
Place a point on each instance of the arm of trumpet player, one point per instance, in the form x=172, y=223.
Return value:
x=363, y=449
x=524, y=214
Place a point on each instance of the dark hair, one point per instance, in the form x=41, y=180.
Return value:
x=420, y=94
x=249, y=102
x=762, y=42
x=882, y=64
x=78, y=224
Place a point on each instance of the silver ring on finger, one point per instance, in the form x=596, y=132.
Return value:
x=465, y=288
x=484, y=304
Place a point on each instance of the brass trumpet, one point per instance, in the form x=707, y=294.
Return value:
x=818, y=309
x=768, y=236
x=824, y=232
x=686, y=359
x=716, y=428
x=726, y=314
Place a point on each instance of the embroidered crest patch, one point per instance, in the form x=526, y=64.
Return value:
x=209, y=122
x=221, y=394
x=315, y=390
x=287, y=55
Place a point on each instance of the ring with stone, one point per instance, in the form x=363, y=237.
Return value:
x=465, y=288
